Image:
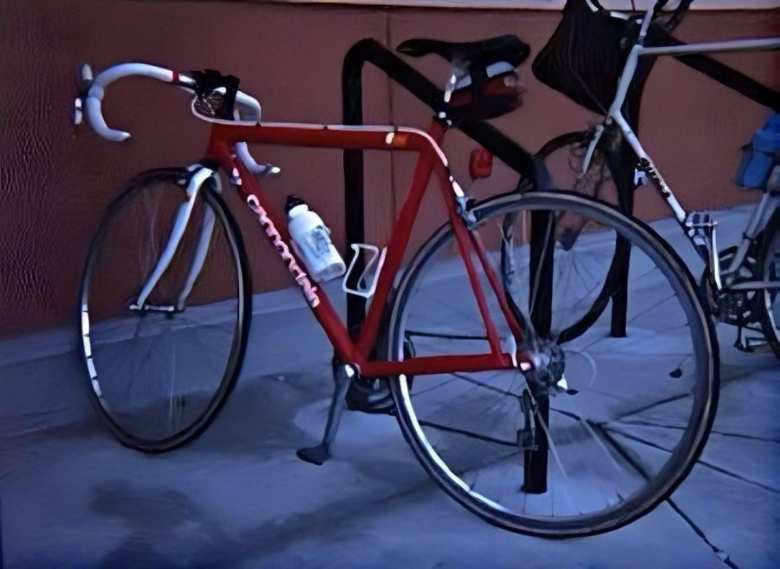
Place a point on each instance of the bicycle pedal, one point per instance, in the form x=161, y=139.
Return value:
x=314, y=455
x=700, y=220
x=700, y=227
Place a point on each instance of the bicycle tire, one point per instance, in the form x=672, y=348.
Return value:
x=769, y=265
x=112, y=332
x=702, y=342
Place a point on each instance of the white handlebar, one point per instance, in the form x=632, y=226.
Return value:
x=94, y=97
x=252, y=104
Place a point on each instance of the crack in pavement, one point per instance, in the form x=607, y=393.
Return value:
x=744, y=374
x=704, y=463
x=722, y=555
x=712, y=431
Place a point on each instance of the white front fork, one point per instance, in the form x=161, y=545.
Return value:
x=196, y=181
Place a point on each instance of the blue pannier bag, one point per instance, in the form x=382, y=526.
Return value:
x=760, y=155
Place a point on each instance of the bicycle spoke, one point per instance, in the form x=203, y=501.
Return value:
x=470, y=434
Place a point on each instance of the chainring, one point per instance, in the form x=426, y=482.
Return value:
x=737, y=308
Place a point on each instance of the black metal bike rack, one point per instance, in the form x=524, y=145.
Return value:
x=490, y=138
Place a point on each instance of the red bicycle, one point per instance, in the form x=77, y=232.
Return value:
x=534, y=432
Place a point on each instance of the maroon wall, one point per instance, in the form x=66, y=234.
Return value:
x=55, y=181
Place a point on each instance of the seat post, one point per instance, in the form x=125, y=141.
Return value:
x=449, y=88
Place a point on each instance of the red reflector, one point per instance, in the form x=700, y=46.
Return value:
x=480, y=164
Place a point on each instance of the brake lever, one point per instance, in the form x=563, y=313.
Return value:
x=260, y=170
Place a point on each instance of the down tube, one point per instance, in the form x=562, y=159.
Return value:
x=275, y=229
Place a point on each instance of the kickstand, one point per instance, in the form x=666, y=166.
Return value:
x=342, y=376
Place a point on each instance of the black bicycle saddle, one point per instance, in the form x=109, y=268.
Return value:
x=508, y=48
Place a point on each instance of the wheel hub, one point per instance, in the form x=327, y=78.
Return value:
x=549, y=365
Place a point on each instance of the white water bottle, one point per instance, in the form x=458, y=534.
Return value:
x=311, y=241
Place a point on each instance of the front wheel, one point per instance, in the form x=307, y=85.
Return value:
x=163, y=352
x=623, y=419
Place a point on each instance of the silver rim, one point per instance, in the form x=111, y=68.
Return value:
x=772, y=271
x=664, y=479
x=159, y=377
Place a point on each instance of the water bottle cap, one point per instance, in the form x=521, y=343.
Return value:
x=293, y=202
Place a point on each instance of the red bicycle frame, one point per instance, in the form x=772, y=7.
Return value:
x=431, y=158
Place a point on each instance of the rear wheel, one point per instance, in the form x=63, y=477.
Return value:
x=160, y=372
x=769, y=263
x=563, y=157
x=618, y=422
